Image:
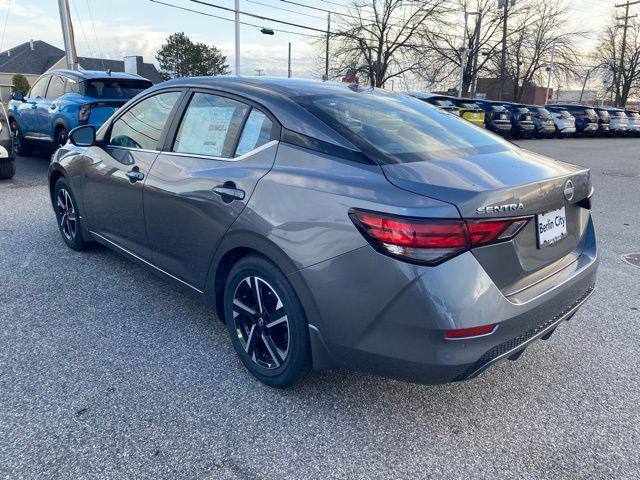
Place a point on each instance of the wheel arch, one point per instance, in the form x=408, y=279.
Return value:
x=237, y=245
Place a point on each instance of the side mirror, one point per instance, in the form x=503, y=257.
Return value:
x=83, y=136
x=18, y=96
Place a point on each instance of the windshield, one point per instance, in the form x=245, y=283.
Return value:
x=470, y=106
x=106, y=88
x=617, y=114
x=542, y=111
x=402, y=129
x=633, y=114
x=590, y=112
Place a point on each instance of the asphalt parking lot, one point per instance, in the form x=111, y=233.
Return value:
x=107, y=371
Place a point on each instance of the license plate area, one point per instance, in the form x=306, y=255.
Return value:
x=551, y=227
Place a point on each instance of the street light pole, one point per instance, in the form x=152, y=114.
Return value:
x=237, y=22
x=289, y=62
x=503, y=69
x=550, y=70
x=474, y=69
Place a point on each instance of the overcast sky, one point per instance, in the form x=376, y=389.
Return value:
x=128, y=27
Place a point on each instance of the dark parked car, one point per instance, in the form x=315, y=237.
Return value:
x=496, y=117
x=470, y=110
x=634, y=122
x=521, y=120
x=333, y=226
x=7, y=156
x=542, y=121
x=585, y=117
x=604, y=121
x=441, y=101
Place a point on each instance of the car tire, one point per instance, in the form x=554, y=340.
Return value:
x=269, y=331
x=62, y=135
x=7, y=168
x=68, y=217
x=20, y=145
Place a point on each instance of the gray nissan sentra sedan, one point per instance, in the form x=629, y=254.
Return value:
x=333, y=226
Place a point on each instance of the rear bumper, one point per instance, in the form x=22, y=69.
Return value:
x=382, y=316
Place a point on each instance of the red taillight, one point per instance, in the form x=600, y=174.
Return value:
x=491, y=231
x=469, y=332
x=84, y=112
x=430, y=241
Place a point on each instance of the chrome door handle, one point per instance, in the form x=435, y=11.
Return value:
x=229, y=193
x=135, y=175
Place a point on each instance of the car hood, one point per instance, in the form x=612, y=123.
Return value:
x=512, y=176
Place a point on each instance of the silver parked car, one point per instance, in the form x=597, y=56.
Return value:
x=334, y=226
x=564, y=122
x=619, y=122
x=634, y=122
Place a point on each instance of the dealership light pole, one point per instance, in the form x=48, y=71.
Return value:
x=67, y=34
x=503, y=70
x=289, y=62
x=550, y=70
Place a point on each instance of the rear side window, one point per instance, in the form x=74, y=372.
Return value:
x=56, y=87
x=257, y=131
x=210, y=126
x=141, y=125
x=71, y=86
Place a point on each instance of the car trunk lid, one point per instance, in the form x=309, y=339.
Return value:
x=507, y=183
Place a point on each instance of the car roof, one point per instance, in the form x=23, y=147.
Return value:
x=276, y=95
x=81, y=75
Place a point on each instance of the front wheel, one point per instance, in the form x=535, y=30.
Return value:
x=266, y=322
x=68, y=216
x=20, y=145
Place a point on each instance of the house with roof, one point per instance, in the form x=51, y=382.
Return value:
x=35, y=57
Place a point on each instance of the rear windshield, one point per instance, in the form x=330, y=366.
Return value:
x=470, y=106
x=106, y=88
x=403, y=129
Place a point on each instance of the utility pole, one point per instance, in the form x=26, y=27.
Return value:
x=624, y=47
x=289, y=63
x=237, y=22
x=550, y=70
x=67, y=34
x=326, y=53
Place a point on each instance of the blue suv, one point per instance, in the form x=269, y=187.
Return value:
x=63, y=99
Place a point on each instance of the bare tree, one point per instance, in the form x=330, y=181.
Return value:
x=482, y=43
x=383, y=39
x=609, y=52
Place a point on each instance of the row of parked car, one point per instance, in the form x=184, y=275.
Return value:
x=518, y=120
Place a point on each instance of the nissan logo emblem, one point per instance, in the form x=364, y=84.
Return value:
x=568, y=190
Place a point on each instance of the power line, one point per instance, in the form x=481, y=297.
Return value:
x=285, y=9
x=223, y=18
x=84, y=34
x=320, y=9
x=269, y=19
x=95, y=35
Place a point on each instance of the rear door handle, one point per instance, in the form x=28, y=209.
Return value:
x=135, y=175
x=229, y=192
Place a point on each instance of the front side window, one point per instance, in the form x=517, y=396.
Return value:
x=257, y=131
x=56, y=87
x=39, y=88
x=141, y=125
x=210, y=126
x=402, y=129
